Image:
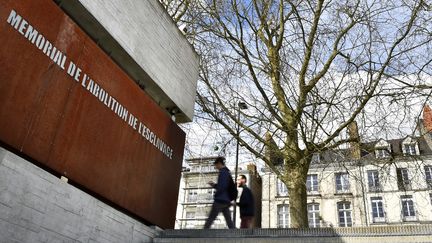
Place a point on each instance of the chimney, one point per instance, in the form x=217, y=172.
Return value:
x=252, y=168
x=427, y=118
x=353, y=134
x=425, y=126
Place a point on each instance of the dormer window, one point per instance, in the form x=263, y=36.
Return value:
x=315, y=158
x=382, y=153
x=382, y=149
x=409, y=146
x=410, y=149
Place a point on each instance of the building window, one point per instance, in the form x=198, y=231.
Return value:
x=382, y=153
x=377, y=209
x=283, y=216
x=210, y=194
x=344, y=212
x=190, y=223
x=408, y=211
x=282, y=190
x=190, y=215
x=315, y=158
x=403, y=179
x=373, y=181
x=205, y=168
x=409, y=149
x=342, y=182
x=312, y=183
x=192, y=195
x=428, y=173
x=313, y=215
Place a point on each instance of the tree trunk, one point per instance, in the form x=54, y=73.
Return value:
x=296, y=183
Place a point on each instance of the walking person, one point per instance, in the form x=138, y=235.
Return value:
x=223, y=195
x=246, y=204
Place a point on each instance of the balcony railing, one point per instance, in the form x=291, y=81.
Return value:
x=343, y=191
x=429, y=184
x=375, y=188
x=203, y=198
x=406, y=186
x=379, y=219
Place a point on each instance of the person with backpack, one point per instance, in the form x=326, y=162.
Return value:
x=226, y=191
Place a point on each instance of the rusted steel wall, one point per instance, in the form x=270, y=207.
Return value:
x=117, y=143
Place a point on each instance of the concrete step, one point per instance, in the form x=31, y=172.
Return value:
x=378, y=234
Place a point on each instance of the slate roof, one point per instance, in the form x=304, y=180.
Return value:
x=367, y=151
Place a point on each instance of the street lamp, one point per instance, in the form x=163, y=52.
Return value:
x=241, y=106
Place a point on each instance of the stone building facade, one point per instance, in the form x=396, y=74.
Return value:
x=378, y=183
x=196, y=196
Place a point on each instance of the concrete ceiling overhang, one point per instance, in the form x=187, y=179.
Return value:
x=145, y=42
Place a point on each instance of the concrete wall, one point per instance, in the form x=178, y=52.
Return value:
x=142, y=38
x=378, y=234
x=388, y=239
x=36, y=206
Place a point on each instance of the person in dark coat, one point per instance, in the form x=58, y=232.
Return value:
x=246, y=203
x=222, y=200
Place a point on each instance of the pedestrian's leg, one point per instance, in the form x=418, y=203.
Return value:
x=243, y=224
x=212, y=216
x=246, y=222
x=249, y=222
x=227, y=214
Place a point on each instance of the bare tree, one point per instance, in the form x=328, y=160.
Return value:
x=306, y=70
x=176, y=8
